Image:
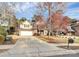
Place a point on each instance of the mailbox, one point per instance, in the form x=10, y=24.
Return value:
x=70, y=40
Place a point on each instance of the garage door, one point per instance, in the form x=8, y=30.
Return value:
x=25, y=33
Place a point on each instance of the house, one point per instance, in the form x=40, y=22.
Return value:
x=25, y=29
x=39, y=25
x=40, y=28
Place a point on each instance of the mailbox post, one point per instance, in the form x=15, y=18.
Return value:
x=70, y=41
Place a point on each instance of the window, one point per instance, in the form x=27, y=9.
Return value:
x=26, y=25
x=41, y=30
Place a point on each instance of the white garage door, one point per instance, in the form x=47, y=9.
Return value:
x=25, y=33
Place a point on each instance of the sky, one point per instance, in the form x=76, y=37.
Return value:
x=28, y=9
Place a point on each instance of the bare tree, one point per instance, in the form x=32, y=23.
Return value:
x=51, y=8
x=8, y=11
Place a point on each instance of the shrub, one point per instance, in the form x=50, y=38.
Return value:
x=14, y=38
x=2, y=39
x=36, y=34
x=2, y=31
x=11, y=30
x=2, y=34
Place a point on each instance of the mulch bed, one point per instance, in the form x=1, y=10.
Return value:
x=52, y=40
x=7, y=43
x=70, y=47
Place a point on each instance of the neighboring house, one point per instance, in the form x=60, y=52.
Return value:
x=4, y=22
x=6, y=18
x=70, y=30
x=76, y=28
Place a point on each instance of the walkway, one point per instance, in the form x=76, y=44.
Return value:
x=34, y=47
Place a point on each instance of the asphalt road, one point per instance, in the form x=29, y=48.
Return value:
x=68, y=55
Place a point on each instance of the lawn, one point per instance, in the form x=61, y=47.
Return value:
x=58, y=39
